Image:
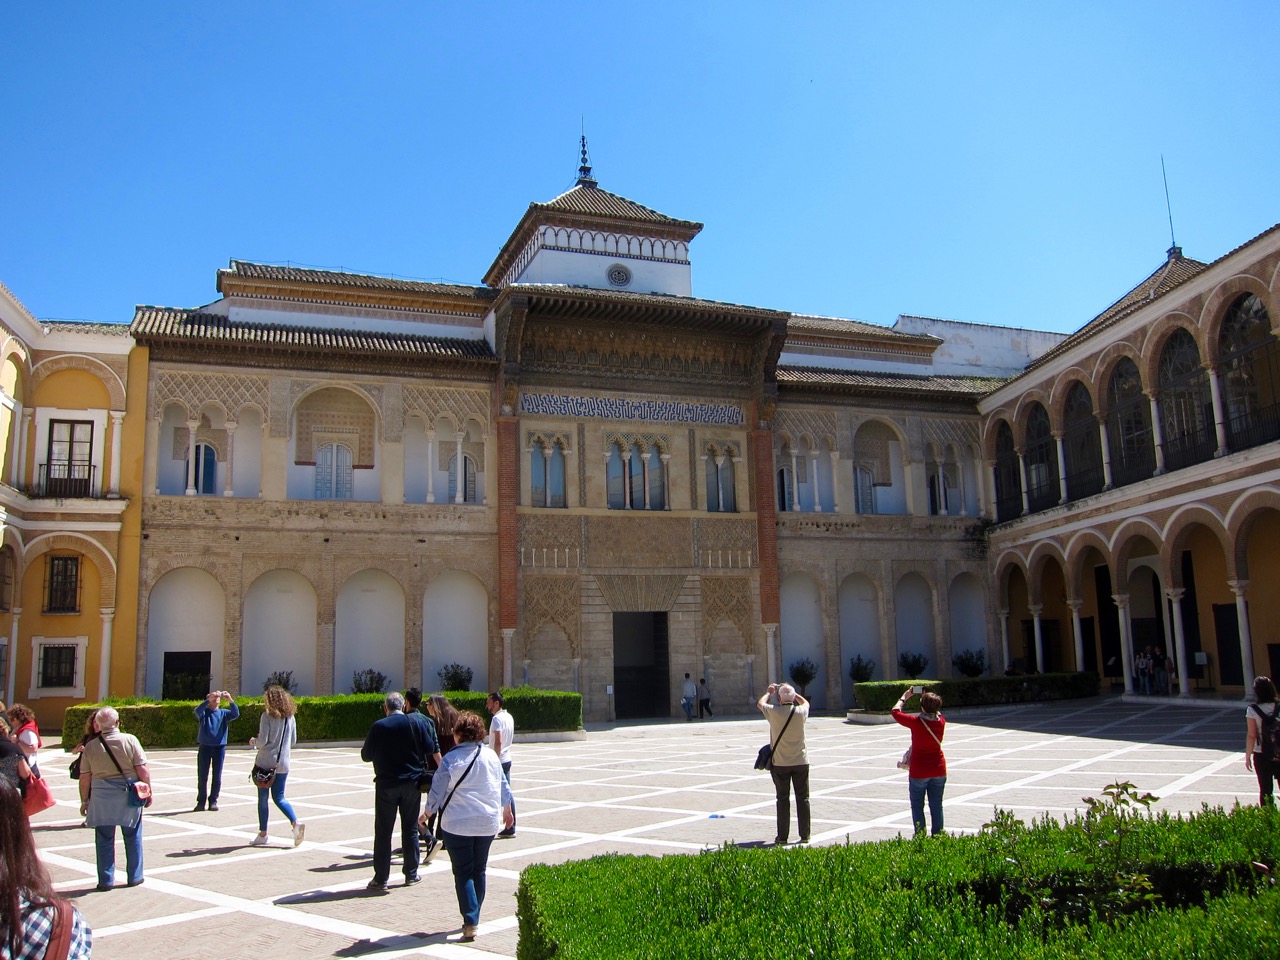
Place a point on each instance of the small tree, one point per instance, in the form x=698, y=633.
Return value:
x=860, y=671
x=972, y=663
x=803, y=672
x=281, y=678
x=454, y=676
x=913, y=664
x=368, y=681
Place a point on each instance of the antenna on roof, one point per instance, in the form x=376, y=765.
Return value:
x=1174, y=249
x=584, y=168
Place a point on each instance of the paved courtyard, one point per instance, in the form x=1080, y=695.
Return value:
x=654, y=788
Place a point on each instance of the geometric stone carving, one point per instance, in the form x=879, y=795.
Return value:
x=727, y=598
x=642, y=593
x=643, y=539
x=552, y=600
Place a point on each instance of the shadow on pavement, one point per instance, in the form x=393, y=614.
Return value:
x=203, y=851
x=326, y=896
x=409, y=941
x=356, y=863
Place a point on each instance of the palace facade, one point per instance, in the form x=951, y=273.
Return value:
x=580, y=476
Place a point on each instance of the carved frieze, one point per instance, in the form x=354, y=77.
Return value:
x=552, y=600
x=727, y=598
x=645, y=539
x=646, y=592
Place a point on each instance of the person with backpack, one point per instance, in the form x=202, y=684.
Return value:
x=1262, y=739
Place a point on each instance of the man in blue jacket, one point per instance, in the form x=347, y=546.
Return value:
x=397, y=748
x=214, y=720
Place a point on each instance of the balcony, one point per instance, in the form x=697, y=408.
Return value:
x=65, y=481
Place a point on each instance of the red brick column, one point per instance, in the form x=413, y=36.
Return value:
x=508, y=532
x=766, y=525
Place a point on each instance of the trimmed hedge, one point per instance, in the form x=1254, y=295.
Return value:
x=171, y=723
x=922, y=899
x=880, y=696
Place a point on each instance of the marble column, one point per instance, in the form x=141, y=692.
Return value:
x=1180, y=641
x=1126, y=643
x=1077, y=633
x=1239, y=587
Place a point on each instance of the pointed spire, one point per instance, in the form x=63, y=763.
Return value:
x=584, y=169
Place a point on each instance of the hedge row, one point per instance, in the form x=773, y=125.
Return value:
x=972, y=897
x=880, y=696
x=170, y=723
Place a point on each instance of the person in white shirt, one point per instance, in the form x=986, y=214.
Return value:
x=472, y=797
x=502, y=730
x=688, y=696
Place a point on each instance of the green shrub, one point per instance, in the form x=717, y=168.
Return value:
x=971, y=663
x=281, y=678
x=342, y=718
x=879, y=696
x=455, y=677
x=920, y=899
x=803, y=672
x=368, y=681
x=912, y=664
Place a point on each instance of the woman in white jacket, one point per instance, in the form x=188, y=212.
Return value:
x=476, y=803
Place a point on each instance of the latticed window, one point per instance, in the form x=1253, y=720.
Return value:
x=469, y=480
x=863, y=491
x=57, y=666
x=546, y=475
x=721, y=496
x=62, y=585
x=1186, y=410
x=1249, y=358
x=1008, y=476
x=206, y=469
x=1129, y=434
x=1081, y=444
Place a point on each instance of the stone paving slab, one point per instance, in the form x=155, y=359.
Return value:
x=656, y=789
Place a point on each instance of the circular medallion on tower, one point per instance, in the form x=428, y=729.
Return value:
x=619, y=275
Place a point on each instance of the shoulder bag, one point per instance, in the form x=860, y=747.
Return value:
x=38, y=796
x=139, y=792
x=64, y=918
x=764, y=759
x=905, y=762
x=264, y=777
x=453, y=790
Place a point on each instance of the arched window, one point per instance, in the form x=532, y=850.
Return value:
x=206, y=469
x=469, y=480
x=1249, y=365
x=1132, y=447
x=1043, y=490
x=784, y=489
x=1186, y=410
x=721, y=496
x=1082, y=445
x=1008, y=476
x=616, y=477
x=657, y=499
x=546, y=475
x=635, y=476
x=334, y=480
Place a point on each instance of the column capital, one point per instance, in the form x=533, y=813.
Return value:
x=1035, y=609
x=1074, y=604
x=1121, y=599
x=1238, y=587
x=1003, y=613
x=107, y=613
x=1176, y=594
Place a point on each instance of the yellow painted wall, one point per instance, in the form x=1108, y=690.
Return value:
x=133, y=441
x=1263, y=553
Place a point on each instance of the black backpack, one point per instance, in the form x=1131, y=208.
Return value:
x=1270, y=732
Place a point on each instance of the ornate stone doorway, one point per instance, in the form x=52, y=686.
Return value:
x=640, y=665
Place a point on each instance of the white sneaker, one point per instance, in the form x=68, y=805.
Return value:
x=431, y=848
x=299, y=829
x=259, y=841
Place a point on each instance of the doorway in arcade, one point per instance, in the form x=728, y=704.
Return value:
x=641, y=685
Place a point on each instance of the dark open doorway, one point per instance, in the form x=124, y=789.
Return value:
x=641, y=687
x=187, y=675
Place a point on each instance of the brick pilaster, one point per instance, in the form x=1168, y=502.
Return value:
x=508, y=530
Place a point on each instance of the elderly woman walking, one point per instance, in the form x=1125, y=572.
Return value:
x=112, y=761
x=277, y=733
x=473, y=800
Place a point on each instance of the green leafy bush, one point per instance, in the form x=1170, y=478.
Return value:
x=971, y=663
x=879, y=696
x=803, y=672
x=339, y=718
x=455, y=677
x=920, y=899
x=368, y=681
x=912, y=664
x=281, y=678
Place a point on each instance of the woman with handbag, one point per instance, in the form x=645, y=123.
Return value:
x=26, y=733
x=13, y=766
x=33, y=921
x=277, y=733
x=110, y=797
x=926, y=766
x=474, y=802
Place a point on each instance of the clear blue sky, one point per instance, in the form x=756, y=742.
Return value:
x=988, y=162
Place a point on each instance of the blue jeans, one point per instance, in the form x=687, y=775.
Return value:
x=277, y=794
x=104, y=840
x=687, y=706
x=470, y=859
x=204, y=757
x=506, y=775
x=918, y=788
x=390, y=799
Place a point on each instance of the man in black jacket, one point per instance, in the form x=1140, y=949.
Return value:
x=398, y=751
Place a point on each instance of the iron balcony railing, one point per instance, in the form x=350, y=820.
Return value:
x=65, y=480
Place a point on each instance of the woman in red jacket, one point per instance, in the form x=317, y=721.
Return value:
x=928, y=767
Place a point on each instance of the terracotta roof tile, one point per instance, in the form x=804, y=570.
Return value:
x=829, y=379
x=804, y=323
x=592, y=201
x=85, y=326
x=246, y=270
x=166, y=324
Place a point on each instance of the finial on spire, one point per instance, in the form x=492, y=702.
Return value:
x=584, y=169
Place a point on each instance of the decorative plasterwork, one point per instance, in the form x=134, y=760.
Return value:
x=817, y=425
x=647, y=592
x=460, y=405
x=635, y=353
x=193, y=390
x=645, y=441
x=646, y=539
x=552, y=600
x=622, y=408
x=725, y=542
x=727, y=598
x=945, y=433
